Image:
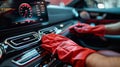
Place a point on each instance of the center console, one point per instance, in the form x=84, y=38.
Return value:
x=24, y=50
x=45, y=59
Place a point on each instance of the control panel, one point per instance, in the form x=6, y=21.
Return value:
x=26, y=40
x=25, y=51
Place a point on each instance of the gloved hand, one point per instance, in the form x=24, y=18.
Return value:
x=82, y=28
x=66, y=50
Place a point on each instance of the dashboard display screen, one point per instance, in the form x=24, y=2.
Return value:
x=17, y=13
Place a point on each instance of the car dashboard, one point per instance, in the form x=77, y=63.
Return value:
x=25, y=49
x=22, y=28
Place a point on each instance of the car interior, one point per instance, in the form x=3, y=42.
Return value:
x=23, y=22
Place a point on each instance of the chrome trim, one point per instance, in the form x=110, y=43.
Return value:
x=23, y=46
x=17, y=62
x=21, y=42
x=41, y=32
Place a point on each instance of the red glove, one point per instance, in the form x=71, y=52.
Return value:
x=82, y=28
x=66, y=50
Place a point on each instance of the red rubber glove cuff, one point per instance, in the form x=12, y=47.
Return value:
x=66, y=50
x=98, y=30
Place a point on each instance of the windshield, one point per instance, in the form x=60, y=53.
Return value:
x=59, y=2
x=103, y=3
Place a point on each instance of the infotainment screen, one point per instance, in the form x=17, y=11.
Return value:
x=17, y=13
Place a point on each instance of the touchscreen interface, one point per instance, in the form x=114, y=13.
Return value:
x=17, y=13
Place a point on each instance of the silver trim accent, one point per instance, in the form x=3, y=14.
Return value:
x=12, y=41
x=1, y=53
x=4, y=47
x=24, y=46
x=75, y=12
x=31, y=53
x=41, y=32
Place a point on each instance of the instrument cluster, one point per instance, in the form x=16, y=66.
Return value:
x=20, y=13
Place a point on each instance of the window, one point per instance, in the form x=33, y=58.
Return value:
x=59, y=2
x=103, y=3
